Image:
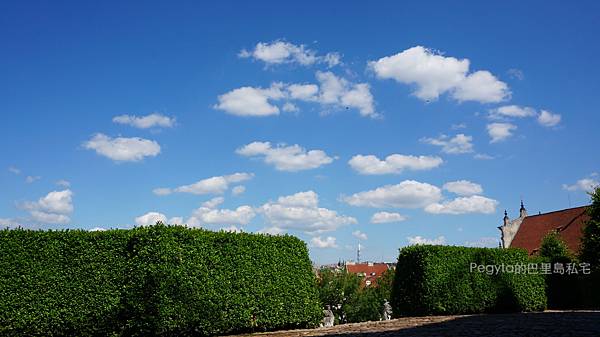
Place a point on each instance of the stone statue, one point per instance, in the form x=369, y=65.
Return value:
x=328, y=318
x=387, y=311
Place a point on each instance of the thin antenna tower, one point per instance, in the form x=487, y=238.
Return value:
x=358, y=254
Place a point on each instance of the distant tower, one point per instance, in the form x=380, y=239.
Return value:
x=358, y=254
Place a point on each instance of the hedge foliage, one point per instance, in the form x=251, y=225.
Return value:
x=438, y=280
x=159, y=280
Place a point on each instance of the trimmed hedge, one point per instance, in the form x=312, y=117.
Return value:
x=159, y=280
x=437, y=280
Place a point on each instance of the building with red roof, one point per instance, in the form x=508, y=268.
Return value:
x=369, y=272
x=528, y=231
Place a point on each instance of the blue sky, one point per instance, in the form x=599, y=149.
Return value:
x=279, y=117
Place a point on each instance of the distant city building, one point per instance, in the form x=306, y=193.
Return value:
x=528, y=231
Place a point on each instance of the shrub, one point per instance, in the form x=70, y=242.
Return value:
x=61, y=282
x=590, y=253
x=153, y=281
x=563, y=290
x=438, y=280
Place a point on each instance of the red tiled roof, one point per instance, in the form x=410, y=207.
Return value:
x=371, y=271
x=568, y=223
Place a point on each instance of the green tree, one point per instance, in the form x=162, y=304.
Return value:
x=590, y=241
x=336, y=288
x=364, y=305
x=554, y=249
x=590, y=252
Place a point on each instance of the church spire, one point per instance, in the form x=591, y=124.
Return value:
x=506, y=219
x=522, y=211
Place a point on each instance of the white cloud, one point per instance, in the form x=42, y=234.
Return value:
x=434, y=74
x=122, y=149
x=55, y=207
x=282, y=52
x=290, y=107
x=586, y=185
x=238, y=190
x=213, y=185
x=455, y=145
x=150, y=219
x=271, y=231
x=463, y=187
x=300, y=211
x=14, y=170
x=512, y=111
x=387, y=217
x=394, y=163
x=359, y=235
x=209, y=214
x=328, y=242
x=407, y=194
x=419, y=240
x=63, y=183
x=463, y=205
x=333, y=92
x=481, y=86
x=286, y=158
x=500, y=131
x=250, y=101
x=339, y=92
x=177, y=220
x=145, y=122
x=213, y=203
x=486, y=241
x=483, y=156
x=303, y=92
x=97, y=229
x=32, y=179
x=232, y=229
x=516, y=74
x=548, y=119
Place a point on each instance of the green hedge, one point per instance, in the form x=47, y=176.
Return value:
x=438, y=280
x=158, y=280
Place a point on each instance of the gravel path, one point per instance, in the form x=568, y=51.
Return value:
x=550, y=323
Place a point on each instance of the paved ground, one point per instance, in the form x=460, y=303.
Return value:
x=550, y=323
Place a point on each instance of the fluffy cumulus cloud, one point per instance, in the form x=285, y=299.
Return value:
x=153, y=120
x=548, y=119
x=150, y=219
x=208, y=213
x=387, y=217
x=394, y=163
x=419, y=240
x=407, y=194
x=250, y=101
x=340, y=92
x=360, y=235
x=463, y=205
x=286, y=158
x=122, y=149
x=458, y=144
x=500, y=131
x=463, y=187
x=434, y=74
x=54, y=208
x=319, y=242
x=332, y=92
x=212, y=185
x=301, y=212
x=282, y=52
x=585, y=184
